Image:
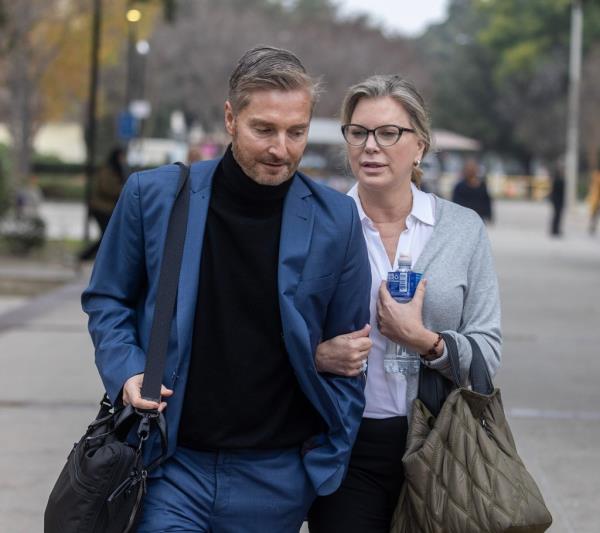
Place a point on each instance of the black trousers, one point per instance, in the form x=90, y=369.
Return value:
x=556, y=219
x=367, y=497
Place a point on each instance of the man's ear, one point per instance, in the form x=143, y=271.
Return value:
x=229, y=118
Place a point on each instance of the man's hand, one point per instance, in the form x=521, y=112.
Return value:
x=344, y=355
x=132, y=394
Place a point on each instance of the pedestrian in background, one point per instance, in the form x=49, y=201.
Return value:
x=594, y=201
x=471, y=191
x=106, y=188
x=29, y=200
x=557, y=198
x=387, y=131
x=272, y=264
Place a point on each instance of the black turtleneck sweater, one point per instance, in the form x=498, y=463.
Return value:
x=241, y=390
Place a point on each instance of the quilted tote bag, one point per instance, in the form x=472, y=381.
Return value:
x=463, y=473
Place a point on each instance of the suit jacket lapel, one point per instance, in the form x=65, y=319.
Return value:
x=296, y=233
x=201, y=181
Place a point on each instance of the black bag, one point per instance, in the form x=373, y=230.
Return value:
x=102, y=485
x=434, y=388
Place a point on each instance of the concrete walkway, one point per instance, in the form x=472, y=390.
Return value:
x=550, y=378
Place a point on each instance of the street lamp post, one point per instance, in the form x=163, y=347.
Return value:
x=142, y=48
x=572, y=156
x=133, y=17
x=91, y=114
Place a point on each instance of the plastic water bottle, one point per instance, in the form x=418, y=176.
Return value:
x=401, y=284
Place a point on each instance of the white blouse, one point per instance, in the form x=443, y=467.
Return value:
x=386, y=393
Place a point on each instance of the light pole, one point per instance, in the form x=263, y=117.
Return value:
x=133, y=16
x=142, y=48
x=91, y=114
x=572, y=156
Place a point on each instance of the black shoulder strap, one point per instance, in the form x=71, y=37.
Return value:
x=434, y=387
x=167, y=289
x=478, y=374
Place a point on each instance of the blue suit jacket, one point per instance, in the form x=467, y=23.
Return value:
x=324, y=283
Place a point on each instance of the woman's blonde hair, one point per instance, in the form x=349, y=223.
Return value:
x=405, y=94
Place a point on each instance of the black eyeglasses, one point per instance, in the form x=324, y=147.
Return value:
x=387, y=135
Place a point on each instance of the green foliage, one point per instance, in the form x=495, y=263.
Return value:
x=22, y=235
x=500, y=70
x=46, y=159
x=464, y=90
x=62, y=187
x=4, y=173
x=520, y=32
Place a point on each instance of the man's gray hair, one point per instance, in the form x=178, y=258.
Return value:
x=405, y=94
x=268, y=68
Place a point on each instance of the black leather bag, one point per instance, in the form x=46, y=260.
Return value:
x=102, y=486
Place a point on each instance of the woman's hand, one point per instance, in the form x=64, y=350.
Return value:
x=344, y=355
x=403, y=322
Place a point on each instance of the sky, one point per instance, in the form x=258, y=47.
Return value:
x=407, y=17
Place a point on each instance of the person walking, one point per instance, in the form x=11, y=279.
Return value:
x=557, y=199
x=106, y=188
x=387, y=132
x=594, y=201
x=273, y=263
x=471, y=191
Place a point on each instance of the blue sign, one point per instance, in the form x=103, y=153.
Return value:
x=127, y=126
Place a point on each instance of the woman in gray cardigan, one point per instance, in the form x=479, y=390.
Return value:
x=387, y=132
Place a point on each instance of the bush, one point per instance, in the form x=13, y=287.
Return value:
x=23, y=234
x=4, y=196
x=61, y=187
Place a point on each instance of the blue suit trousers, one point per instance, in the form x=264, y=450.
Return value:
x=251, y=491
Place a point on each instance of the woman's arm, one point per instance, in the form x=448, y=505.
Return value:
x=480, y=317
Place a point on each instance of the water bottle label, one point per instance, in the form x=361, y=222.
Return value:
x=398, y=284
x=393, y=283
x=402, y=285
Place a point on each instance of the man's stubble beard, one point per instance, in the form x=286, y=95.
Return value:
x=255, y=176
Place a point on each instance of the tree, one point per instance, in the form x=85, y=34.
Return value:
x=530, y=41
x=44, y=64
x=195, y=57
x=500, y=71
x=463, y=88
x=590, y=109
x=32, y=35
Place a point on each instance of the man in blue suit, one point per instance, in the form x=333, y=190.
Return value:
x=273, y=264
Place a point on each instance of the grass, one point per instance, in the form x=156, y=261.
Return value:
x=62, y=187
x=56, y=251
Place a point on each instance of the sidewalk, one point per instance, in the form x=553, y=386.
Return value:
x=549, y=379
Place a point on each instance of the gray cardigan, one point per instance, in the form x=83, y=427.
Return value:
x=462, y=295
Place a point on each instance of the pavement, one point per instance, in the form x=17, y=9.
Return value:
x=550, y=375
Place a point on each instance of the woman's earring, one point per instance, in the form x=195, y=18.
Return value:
x=417, y=162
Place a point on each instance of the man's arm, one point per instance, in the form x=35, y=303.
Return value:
x=349, y=306
x=116, y=286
